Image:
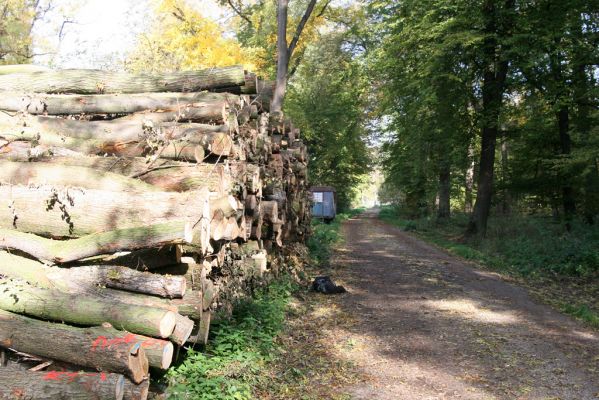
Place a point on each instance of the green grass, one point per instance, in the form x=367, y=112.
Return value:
x=563, y=266
x=230, y=366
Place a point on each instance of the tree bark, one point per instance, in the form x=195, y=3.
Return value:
x=65, y=251
x=282, y=58
x=170, y=176
x=100, y=82
x=568, y=196
x=80, y=346
x=469, y=181
x=61, y=104
x=58, y=385
x=82, y=309
x=118, y=277
x=68, y=212
x=36, y=173
x=104, y=134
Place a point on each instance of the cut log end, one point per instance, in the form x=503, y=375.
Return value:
x=167, y=356
x=182, y=331
x=167, y=324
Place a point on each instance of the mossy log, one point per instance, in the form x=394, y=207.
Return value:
x=101, y=82
x=191, y=305
x=100, y=348
x=35, y=173
x=84, y=309
x=88, y=276
x=71, y=212
x=103, y=134
x=60, y=385
x=48, y=142
x=167, y=175
x=65, y=251
x=61, y=104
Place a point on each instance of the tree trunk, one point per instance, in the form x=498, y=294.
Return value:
x=568, y=197
x=506, y=201
x=59, y=385
x=282, y=58
x=493, y=87
x=469, y=181
x=118, y=277
x=84, y=309
x=64, y=104
x=444, y=191
x=65, y=251
x=100, y=82
x=191, y=305
x=75, y=345
x=67, y=212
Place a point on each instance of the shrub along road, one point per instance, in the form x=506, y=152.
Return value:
x=427, y=325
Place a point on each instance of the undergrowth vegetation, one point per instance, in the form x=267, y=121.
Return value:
x=561, y=265
x=239, y=349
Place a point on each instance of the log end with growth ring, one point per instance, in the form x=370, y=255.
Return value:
x=167, y=324
x=167, y=355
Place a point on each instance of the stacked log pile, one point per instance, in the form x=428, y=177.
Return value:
x=131, y=208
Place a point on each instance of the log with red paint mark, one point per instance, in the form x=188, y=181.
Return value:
x=101, y=348
x=60, y=385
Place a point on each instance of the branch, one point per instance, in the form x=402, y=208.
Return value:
x=320, y=14
x=239, y=13
x=298, y=61
x=300, y=28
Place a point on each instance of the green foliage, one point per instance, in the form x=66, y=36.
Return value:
x=16, y=21
x=431, y=57
x=239, y=349
x=326, y=101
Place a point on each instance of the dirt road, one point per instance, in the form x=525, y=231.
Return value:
x=430, y=326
